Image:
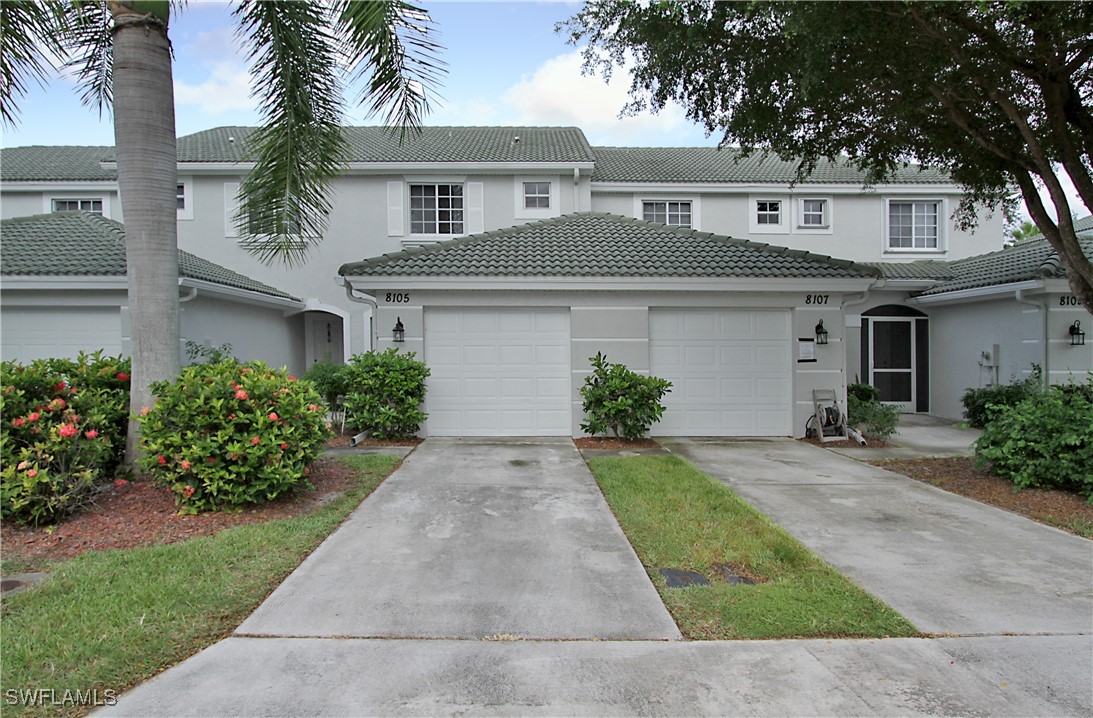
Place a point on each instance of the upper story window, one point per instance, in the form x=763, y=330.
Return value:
x=78, y=205
x=536, y=195
x=436, y=209
x=180, y=197
x=677, y=214
x=768, y=211
x=814, y=213
x=914, y=225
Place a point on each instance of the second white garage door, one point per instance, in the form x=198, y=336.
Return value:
x=498, y=372
x=730, y=371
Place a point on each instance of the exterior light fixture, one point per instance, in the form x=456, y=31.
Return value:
x=821, y=333
x=398, y=334
x=1077, y=336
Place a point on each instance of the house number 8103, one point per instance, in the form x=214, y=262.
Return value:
x=397, y=298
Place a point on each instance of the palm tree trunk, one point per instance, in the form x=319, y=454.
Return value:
x=144, y=134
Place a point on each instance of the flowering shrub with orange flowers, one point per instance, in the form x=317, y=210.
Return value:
x=227, y=434
x=62, y=433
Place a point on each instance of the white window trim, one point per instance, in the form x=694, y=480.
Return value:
x=696, y=205
x=47, y=200
x=187, y=212
x=410, y=210
x=799, y=212
x=942, y=226
x=783, y=215
x=522, y=212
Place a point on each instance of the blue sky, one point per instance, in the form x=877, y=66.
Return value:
x=506, y=66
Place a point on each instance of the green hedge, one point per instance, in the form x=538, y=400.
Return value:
x=386, y=390
x=622, y=401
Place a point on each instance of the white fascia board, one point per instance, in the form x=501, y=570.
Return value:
x=906, y=285
x=239, y=168
x=801, y=189
x=609, y=284
x=62, y=282
x=62, y=186
x=244, y=296
x=978, y=293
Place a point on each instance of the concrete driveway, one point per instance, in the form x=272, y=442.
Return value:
x=490, y=578
x=951, y=565
x=473, y=539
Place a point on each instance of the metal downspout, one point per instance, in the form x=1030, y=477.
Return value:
x=1018, y=296
x=363, y=299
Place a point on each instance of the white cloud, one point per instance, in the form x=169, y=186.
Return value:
x=557, y=93
x=225, y=89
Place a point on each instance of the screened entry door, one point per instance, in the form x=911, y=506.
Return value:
x=892, y=361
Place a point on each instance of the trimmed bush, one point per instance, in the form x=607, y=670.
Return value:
x=1046, y=440
x=866, y=412
x=62, y=433
x=618, y=399
x=227, y=434
x=980, y=405
x=331, y=381
x=386, y=391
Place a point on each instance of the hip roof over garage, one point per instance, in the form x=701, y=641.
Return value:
x=592, y=244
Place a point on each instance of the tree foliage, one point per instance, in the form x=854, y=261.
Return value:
x=995, y=93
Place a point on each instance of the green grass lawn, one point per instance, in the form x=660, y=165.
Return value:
x=109, y=619
x=677, y=517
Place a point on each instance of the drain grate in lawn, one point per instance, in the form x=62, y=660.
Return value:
x=680, y=578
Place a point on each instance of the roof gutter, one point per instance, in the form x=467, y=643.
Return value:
x=362, y=298
x=244, y=296
x=977, y=293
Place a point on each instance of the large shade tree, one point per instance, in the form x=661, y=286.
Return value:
x=996, y=93
x=302, y=55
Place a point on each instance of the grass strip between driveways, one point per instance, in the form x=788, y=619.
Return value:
x=678, y=517
x=109, y=619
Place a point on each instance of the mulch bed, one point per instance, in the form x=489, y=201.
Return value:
x=960, y=476
x=604, y=442
x=138, y=513
x=341, y=441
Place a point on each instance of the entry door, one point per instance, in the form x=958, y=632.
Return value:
x=892, y=361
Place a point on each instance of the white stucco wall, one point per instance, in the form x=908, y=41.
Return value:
x=254, y=332
x=857, y=230
x=16, y=201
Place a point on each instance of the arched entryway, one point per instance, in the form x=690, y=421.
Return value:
x=895, y=355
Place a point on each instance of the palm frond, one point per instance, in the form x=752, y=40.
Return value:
x=390, y=46
x=298, y=150
x=92, y=47
x=30, y=33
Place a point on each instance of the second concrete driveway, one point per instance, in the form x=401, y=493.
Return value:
x=474, y=539
x=949, y=564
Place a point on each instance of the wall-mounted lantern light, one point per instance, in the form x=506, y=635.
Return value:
x=398, y=334
x=821, y=333
x=1077, y=336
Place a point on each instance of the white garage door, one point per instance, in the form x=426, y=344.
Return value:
x=730, y=371
x=498, y=372
x=42, y=332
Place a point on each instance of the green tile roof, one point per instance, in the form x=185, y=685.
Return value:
x=709, y=164
x=434, y=144
x=1085, y=224
x=922, y=269
x=83, y=244
x=591, y=244
x=39, y=163
x=1031, y=259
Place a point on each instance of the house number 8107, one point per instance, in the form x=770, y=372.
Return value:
x=397, y=298
x=817, y=298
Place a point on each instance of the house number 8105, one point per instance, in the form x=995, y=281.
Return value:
x=397, y=298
